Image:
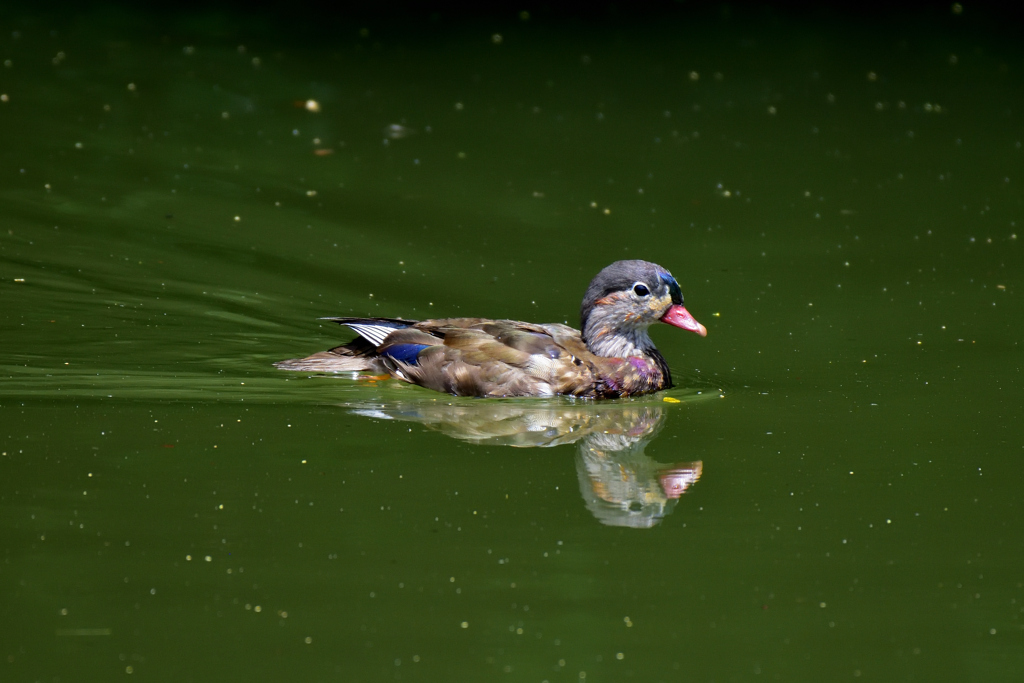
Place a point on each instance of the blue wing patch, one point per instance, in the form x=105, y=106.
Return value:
x=406, y=353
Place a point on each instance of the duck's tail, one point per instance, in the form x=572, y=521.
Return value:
x=358, y=355
x=340, y=359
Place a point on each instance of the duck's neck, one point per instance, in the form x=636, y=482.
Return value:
x=620, y=343
x=611, y=333
x=610, y=341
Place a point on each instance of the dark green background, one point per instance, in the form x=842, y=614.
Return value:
x=837, y=191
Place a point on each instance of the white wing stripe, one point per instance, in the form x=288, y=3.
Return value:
x=375, y=334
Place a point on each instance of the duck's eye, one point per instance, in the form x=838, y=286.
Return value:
x=640, y=289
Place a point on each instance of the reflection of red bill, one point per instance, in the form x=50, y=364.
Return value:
x=676, y=480
x=677, y=316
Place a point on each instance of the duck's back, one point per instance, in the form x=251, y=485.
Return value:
x=476, y=357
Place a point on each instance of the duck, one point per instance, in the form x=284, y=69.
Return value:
x=610, y=356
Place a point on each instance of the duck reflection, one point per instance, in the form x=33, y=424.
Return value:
x=621, y=486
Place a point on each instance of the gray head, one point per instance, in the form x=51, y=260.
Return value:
x=626, y=298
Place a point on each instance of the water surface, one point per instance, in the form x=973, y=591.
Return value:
x=831, y=492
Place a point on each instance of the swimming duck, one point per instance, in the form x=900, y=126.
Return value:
x=612, y=357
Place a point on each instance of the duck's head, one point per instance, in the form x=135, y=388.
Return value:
x=626, y=298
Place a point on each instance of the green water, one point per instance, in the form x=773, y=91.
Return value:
x=838, y=196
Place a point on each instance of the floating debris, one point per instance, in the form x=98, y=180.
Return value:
x=397, y=131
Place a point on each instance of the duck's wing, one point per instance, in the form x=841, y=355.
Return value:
x=374, y=330
x=473, y=357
